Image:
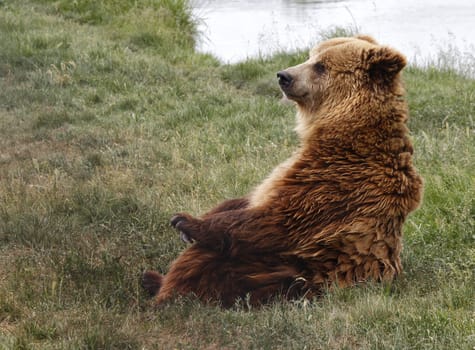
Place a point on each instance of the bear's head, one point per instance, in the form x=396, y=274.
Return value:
x=341, y=71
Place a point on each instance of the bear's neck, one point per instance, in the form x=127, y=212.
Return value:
x=344, y=120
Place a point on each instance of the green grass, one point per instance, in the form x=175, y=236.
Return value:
x=110, y=122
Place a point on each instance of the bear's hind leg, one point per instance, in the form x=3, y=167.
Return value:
x=196, y=271
x=152, y=282
x=281, y=281
x=215, y=277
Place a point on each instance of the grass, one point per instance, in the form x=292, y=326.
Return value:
x=110, y=122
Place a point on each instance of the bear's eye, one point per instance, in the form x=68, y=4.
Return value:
x=319, y=68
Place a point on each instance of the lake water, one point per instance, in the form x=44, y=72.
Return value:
x=233, y=30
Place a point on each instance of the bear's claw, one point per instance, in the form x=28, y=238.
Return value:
x=176, y=219
x=185, y=238
x=177, y=222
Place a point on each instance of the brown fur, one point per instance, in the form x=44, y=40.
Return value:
x=331, y=214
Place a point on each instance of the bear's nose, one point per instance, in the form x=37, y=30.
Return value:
x=285, y=79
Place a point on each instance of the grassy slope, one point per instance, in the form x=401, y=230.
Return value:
x=110, y=122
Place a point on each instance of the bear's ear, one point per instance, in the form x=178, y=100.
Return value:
x=384, y=62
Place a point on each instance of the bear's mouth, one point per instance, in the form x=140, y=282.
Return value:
x=293, y=96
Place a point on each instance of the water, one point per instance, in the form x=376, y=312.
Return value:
x=234, y=30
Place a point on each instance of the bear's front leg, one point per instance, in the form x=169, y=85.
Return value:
x=197, y=230
x=235, y=230
x=187, y=225
x=190, y=235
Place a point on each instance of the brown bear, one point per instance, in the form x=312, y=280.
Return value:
x=332, y=214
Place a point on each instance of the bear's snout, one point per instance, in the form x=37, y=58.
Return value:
x=285, y=79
